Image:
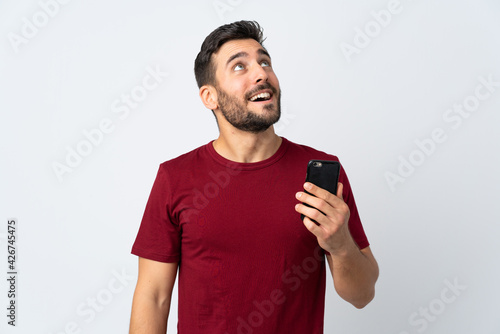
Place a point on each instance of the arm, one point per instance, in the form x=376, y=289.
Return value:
x=354, y=275
x=354, y=271
x=151, y=303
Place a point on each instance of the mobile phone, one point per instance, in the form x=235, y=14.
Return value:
x=324, y=174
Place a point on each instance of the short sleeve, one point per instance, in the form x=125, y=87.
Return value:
x=355, y=226
x=159, y=236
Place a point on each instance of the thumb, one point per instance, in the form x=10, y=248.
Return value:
x=340, y=190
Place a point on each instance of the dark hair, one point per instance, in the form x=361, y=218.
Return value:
x=204, y=69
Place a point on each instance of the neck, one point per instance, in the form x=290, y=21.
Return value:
x=241, y=146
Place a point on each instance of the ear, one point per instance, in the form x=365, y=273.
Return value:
x=208, y=96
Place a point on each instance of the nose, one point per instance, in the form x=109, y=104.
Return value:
x=260, y=74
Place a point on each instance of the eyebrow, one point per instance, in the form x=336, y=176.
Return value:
x=244, y=54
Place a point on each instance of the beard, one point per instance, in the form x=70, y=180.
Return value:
x=237, y=114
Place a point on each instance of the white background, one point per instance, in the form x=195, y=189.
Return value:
x=438, y=227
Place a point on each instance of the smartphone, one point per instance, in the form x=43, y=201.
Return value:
x=324, y=174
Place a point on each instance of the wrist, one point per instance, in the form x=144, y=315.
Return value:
x=345, y=250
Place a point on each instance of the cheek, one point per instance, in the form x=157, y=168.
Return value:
x=239, y=87
x=235, y=87
x=274, y=80
x=238, y=90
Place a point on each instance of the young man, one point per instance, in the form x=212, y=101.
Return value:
x=227, y=215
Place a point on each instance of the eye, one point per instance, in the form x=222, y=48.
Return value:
x=265, y=63
x=238, y=67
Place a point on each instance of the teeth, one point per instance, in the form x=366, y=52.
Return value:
x=260, y=96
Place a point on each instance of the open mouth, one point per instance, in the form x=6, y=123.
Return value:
x=261, y=97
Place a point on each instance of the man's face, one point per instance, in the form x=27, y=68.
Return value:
x=248, y=92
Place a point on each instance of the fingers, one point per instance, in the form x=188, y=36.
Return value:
x=324, y=205
x=312, y=213
x=322, y=193
x=315, y=202
x=312, y=227
x=340, y=190
x=328, y=210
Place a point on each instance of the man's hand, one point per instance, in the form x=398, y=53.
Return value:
x=333, y=232
x=354, y=271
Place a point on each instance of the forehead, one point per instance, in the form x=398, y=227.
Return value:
x=233, y=47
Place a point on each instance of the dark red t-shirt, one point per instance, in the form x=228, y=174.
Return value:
x=247, y=263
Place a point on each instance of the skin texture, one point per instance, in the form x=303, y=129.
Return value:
x=243, y=69
x=151, y=303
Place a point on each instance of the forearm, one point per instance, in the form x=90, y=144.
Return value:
x=148, y=316
x=354, y=274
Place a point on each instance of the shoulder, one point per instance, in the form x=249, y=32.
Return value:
x=303, y=153
x=186, y=159
x=310, y=152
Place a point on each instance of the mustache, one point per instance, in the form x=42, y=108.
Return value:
x=261, y=87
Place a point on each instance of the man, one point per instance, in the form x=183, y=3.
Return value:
x=227, y=215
